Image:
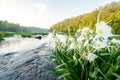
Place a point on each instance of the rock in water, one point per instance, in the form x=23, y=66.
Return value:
x=39, y=37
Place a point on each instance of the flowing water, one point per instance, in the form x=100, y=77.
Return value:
x=18, y=44
x=23, y=59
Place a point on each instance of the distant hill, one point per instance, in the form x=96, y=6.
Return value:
x=109, y=12
x=11, y=27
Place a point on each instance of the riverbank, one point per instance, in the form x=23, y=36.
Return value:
x=26, y=65
x=23, y=34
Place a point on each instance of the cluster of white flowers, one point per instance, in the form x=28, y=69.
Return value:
x=86, y=40
x=52, y=38
x=98, y=42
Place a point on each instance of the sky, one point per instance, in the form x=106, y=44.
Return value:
x=45, y=13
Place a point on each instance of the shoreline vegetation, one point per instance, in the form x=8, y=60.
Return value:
x=23, y=34
x=9, y=29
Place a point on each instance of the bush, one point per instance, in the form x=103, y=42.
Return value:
x=5, y=34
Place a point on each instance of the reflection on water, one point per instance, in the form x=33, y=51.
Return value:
x=17, y=44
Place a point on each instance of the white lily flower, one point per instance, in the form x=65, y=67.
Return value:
x=103, y=30
x=80, y=39
x=62, y=38
x=99, y=44
x=50, y=40
x=72, y=45
x=86, y=30
x=91, y=57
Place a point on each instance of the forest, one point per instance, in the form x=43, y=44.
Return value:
x=9, y=29
x=109, y=12
x=5, y=26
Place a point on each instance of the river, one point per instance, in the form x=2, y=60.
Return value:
x=18, y=44
x=24, y=59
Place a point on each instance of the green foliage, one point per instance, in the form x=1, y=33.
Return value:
x=28, y=34
x=109, y=12
x=11, y=27
x=71, y=64
x=86, y=55
x=5, y=34
x=23, y=34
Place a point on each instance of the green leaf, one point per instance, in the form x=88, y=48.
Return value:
x=82, y=65
x=61, y=70
x=63, y=75
x=116, y=75
x=60, y=65
x=105, y=54
x=102, y=74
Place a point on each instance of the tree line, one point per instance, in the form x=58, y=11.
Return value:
x=108, y=12
x=5, y=26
